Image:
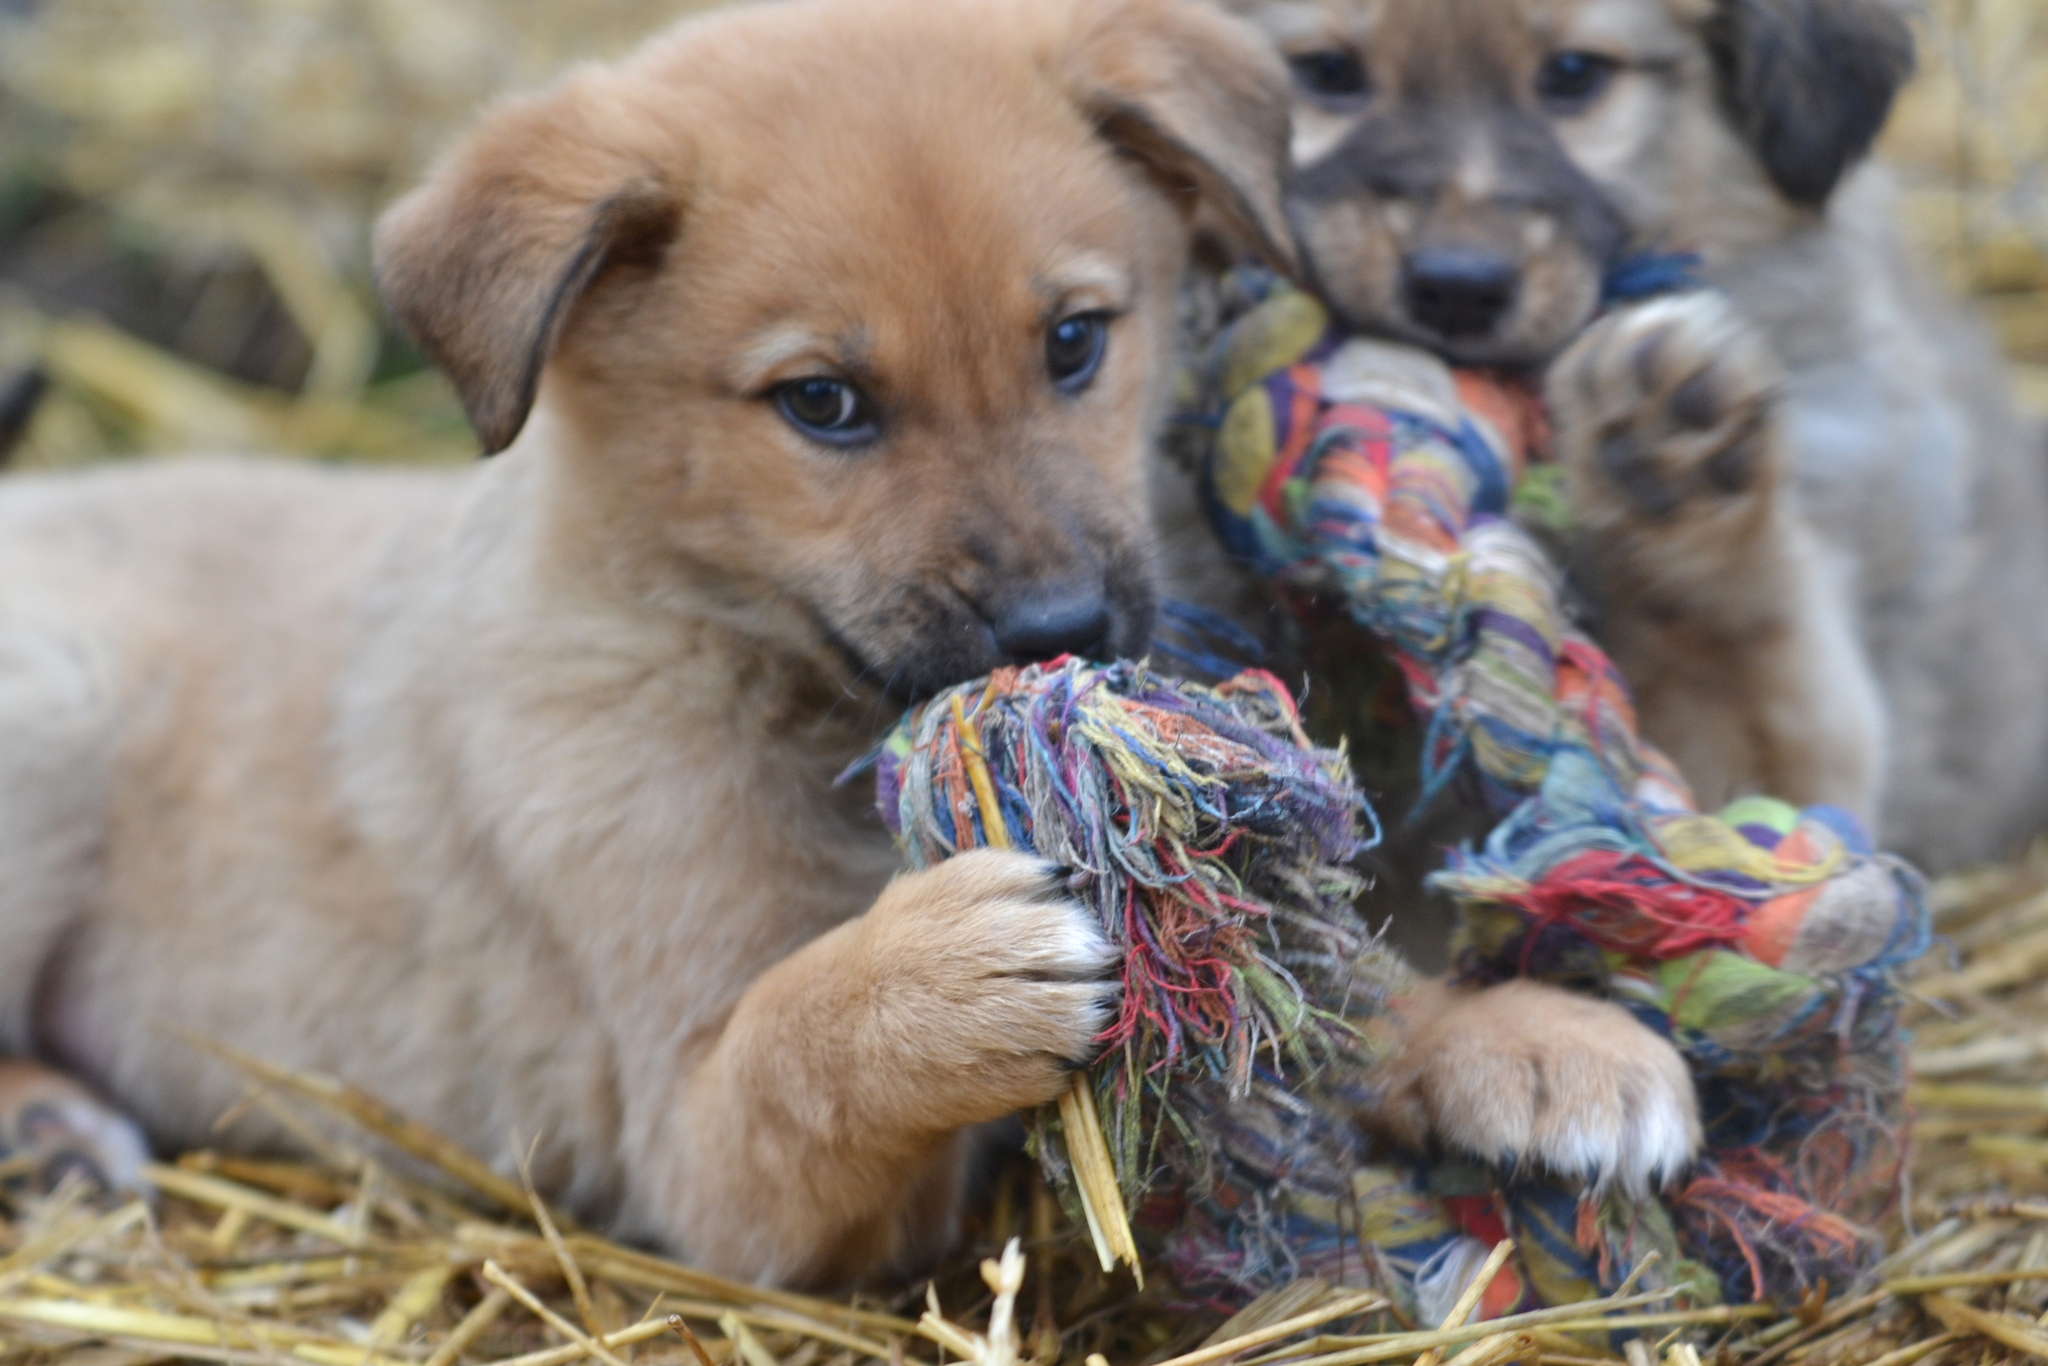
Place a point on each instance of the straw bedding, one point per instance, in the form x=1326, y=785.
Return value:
x=385, y=1245
x=184, y=188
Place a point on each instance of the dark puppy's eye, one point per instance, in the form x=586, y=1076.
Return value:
x=1334, y=73
x=1073, y=350
x=827, y=410
x=1569, y=81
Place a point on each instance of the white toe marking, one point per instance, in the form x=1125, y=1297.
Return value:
x=1660, y=1141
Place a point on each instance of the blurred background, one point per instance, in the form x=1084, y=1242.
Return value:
x=186, y=189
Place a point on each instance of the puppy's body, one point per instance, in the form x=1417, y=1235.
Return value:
x=303, y=740
x=1927, y=494
x=826, y=340
x=501, y=791
x=1808, y=516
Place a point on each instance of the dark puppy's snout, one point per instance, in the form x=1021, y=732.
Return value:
x=1459, y=291
x=1054, y=622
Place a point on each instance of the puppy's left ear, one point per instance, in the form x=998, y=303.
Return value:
x=485, y=264
x=1200, y=100
x=1809, y=83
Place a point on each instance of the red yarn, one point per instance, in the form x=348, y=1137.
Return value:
x=1753, y=1197
x=1626, y=904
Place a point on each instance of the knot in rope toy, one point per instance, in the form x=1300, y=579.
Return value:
x=1370, y=477
x=1212, y=842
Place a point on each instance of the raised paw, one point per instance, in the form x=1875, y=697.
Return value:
x=52, y=1128
x=996, y=976
x=1525, y=1073
x=1667, y=409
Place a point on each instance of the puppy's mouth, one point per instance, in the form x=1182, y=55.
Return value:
x=925, y=641
x=1492, y=284
x=1462, y=296
x=1474, y=307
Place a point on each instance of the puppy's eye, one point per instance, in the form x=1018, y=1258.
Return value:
x=1073, y=350
x=1334, y=74
x=827, y=410
x=1570, y=81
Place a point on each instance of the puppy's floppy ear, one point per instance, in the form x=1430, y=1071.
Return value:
x=1809, y=82
x=1197, y=97
x=484, y=263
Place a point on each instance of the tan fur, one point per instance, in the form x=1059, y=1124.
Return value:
x=1840, y=612
x=1551, y=1079
x=508, y=793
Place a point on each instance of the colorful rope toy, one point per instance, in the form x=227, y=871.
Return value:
x=1761, y=941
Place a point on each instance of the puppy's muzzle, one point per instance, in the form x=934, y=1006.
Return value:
x=1052, y=622
x=1017, y=619
x=1460, y=293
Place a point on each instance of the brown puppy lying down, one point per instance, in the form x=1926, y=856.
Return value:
x=1816, y=531
x=823, y=342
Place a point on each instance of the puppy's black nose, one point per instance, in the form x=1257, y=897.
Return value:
x=1457, y=291
x=1068, y=622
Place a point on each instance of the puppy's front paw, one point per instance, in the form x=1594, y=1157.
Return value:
x=52, y=1128
x=999, y=977
x=1665, y=410
x=1529, y=1073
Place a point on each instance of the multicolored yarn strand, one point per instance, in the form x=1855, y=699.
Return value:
x=1212, y=842
x=1761, y=940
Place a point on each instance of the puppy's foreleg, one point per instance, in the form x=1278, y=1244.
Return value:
x=1527, y=1072
x=1736, y=633
x=821, y=1140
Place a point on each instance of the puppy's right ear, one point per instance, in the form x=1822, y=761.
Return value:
x=484, y=263
x=1809, y=83
x=1200, y=100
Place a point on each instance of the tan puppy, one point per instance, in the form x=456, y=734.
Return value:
x=824, y=342
x=1816, y=535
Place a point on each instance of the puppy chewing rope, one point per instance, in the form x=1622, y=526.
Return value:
x=1210, y=839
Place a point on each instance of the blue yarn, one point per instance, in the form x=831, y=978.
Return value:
x=1205, y=642
x=1647, y=274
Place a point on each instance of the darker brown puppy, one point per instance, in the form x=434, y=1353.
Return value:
x=1806, y=513
x=1467, y=172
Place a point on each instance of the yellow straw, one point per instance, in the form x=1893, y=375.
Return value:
x=1109, y=1223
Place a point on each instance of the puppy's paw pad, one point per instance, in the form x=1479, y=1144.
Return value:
x=1668, y=404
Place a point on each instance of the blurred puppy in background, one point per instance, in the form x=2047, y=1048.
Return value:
x=1810, y=527
x=824, y=344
